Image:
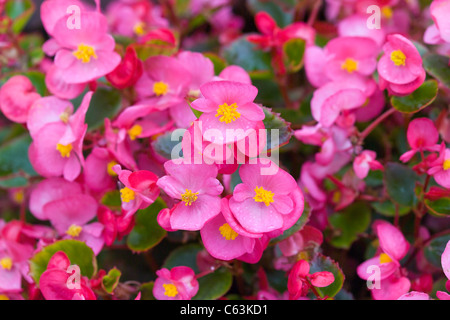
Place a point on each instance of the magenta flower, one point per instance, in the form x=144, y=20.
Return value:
x=228, y=105
x=400, y=68
x=98, y=173
x=415, y=295
x=197, y=188
x=445, y=262
x=265, y=203
x=422, y=136
x=439, y=32
x=365, y=162
x=53, y=282
x=439, y=168
x=179, y=283
x=139, y=189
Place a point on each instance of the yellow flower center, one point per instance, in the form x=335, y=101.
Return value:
x=110, y=168
x=135, y=131
x=64, y=149
x=139, y=28
x=446, y=164
x=18, y=196
x=262, y=195
x=85, y=53
x=65, y=116
x=227, y=232
x=6, y=263
x=160, y=88
x=170, y=290
x=74, y=230
x=189, y=197
x=126, y=194
x=350, y=65
x=387, y=12
x=3, y=297
x=398, y=57
x=228, y=113
x=337, y=195
x=384, y=258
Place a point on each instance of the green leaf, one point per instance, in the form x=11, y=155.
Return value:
x=184, y=256
x=418, y=100
x=245, y=54
x=439, y=208
x=283, y=18
x=20, y=11
x=111, y=280
x=78, y=253
x=433, y=251
x=301, y=222
x=293, y=52
x=387, y=208
x=273, y=121
x=146, y=291
x=437, y=66
x=14, y=156
x=147, y=233
x=349, y=223
x=323, y=263
x=105, y=103
x=163, y=145
x=214, y=285
x=400, y=182
x=112, y=199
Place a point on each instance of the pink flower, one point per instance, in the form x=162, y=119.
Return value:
x=415, y=295
x=266, y=203
x=57, y=85
x=445, y=262
x=139, y=189
x=422, y=136
x=16, y=98
x=197, y=188
x=439, y=32
x=356, y=25
x=400, y=68
x=53, y=282
x=364, y=162
x=439, y=168
x=228, y=105
x=57, y=138
x=98, y=173
x=179, y=283
x=84, y=54
x=300, y=280
x=128, y=72
x=115, y=225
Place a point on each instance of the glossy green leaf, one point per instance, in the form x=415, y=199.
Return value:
x=282, y=17
x=146, y=290
x=147, y=233
x=323, y=263
x=293, y=52
x=437, y=66
x=301, y=222
x=387, y=208
x=164, y=145
x=184, y=256
x=418, y=100
x=20, y=11
x=400, y=182
x=275, y=124
x=111, y=280
x=214, y=285
x=105, y=103
x=77, y=252
x=439, y=208
x=433, y=250
x=14, y=156
x=245, y=54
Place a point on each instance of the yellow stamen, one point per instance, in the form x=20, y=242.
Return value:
x=350, y=65
x=6, y=263
x=85, y=53
x=228, y=113
x=64, y=149
x=446, y=164
x=18, y=196
x=170, y=290
x=262, y=195
x=65, y=115
x=227, y=232
x=398, y=57
x=337, y=196
x=384, y=258
x=3, y=297
x=126, y=194
x=387, y=12
x=160, y=88
x=139, y=28
x=189, y=197
x=110, y=170
x=135, y=131
x=74, y=230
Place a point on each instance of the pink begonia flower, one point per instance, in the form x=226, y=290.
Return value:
x=115, y=226
x=234, y=73
x=392, y=288
x=54, y=10
x=400, y=68
x=139, y=189
x=440, y=30
x=329, y=100
x=54, y=80
x=197, y=188
x=164, y=83
x=228, y=106
x=266, y=201
x=128, y=72
x=226, y=24
x=439, y=168
x=300, y=280
x=57, y=138
x=17, y=96
x=179, y=283
x=299, y=241
x=198, y=6
x=371, y=108
x=86, y=53
x=365, y=162
x=120, y=145
x=134, y=18
x=422, y=136
x=356, y=26
x=415, y=295
x=445, y=262
x=53, y=282
x=70, y=216
x=98, y=173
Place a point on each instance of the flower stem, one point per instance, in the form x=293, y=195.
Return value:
x=374, y=124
